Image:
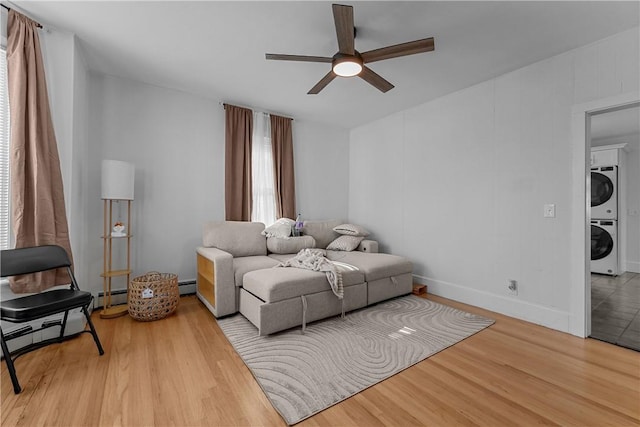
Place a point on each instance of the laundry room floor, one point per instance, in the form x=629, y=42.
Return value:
x=615, y=309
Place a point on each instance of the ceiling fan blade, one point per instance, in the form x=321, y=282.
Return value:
x=343, y=18
x=374, y=79
x=304, y=58
x=322, y=83
x=402, y=49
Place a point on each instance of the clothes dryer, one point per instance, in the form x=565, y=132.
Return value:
x=604, y=192
x=604, y=247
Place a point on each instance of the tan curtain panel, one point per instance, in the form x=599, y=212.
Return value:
x=282, y=146
x=37, y=196
x=237, y=163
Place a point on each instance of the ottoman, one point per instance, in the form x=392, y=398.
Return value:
x=387, y=276
x=275, y=299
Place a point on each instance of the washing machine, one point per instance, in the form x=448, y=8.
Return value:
x=604, y=192
x=604, y=247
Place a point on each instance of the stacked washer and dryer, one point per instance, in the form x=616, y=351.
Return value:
x=604, y=220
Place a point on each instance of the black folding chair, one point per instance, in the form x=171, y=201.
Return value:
x=14, y=262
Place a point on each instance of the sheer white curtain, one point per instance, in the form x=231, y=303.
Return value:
x=264, y=201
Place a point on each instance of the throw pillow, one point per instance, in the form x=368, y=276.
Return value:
x=345, y=243
x=281, y=228
x=351, y=230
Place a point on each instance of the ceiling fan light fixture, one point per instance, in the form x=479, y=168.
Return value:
x=347, y=66
x=348, y=62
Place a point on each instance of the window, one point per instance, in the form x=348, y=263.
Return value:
x=263, y=207
x=4, y=153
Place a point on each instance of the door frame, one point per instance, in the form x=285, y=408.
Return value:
x=580, y=274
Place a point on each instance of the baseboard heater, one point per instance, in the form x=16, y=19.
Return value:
x=182, y=286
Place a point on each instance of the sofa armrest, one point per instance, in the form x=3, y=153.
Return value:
x=368, y=246
x=224, y=287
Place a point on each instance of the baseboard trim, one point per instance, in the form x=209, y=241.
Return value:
x=119, y=296
x=632, y=266
x=509, y=306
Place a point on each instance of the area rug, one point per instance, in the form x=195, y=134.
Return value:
x=303, y=374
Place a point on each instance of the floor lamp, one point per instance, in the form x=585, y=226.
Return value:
x=117, y=186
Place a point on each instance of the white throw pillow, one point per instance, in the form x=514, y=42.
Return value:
x=281, y=228
x=351, y=230
x=345, y=243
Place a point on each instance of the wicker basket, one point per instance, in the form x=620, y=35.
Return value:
x=153, y=296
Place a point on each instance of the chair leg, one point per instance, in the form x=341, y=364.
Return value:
x=10, y=367
x=64, y=324
x=93, y=330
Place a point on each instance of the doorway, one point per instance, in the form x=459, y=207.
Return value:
x=613, y=139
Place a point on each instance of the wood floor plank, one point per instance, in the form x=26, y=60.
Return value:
x=480, y=404
x=591, y=382
x=182, y=371
x=523, y=390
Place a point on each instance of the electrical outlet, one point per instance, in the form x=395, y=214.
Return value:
x=550, y=210
x=512, y=287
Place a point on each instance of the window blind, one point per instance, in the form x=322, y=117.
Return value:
x=4, y=153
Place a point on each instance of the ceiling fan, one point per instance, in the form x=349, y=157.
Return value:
x=348, y=62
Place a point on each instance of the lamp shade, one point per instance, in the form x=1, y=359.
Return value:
x=117, y=180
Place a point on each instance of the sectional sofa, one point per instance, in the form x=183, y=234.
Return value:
x=238, y=272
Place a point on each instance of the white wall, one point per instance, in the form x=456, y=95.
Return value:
x=176, y=141
x=58, y=55
x=322, y=170
x=66, y=75
x=77, y=191
x=458, y=184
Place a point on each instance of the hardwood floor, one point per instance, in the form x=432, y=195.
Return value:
x=182, y=371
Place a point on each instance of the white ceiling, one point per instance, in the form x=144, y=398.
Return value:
x=216, y=49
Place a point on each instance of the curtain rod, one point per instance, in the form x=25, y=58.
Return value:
x=8, y=8
x=252, y=108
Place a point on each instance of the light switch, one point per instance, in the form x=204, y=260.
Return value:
x=550, y=211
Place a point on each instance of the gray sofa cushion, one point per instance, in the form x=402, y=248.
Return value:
x=281, y=257
x=322, y=231
x=291, y=245
x=239, y=238
x=285, y=257
x=245, y=264
x=277, y=284
x=374, y=266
